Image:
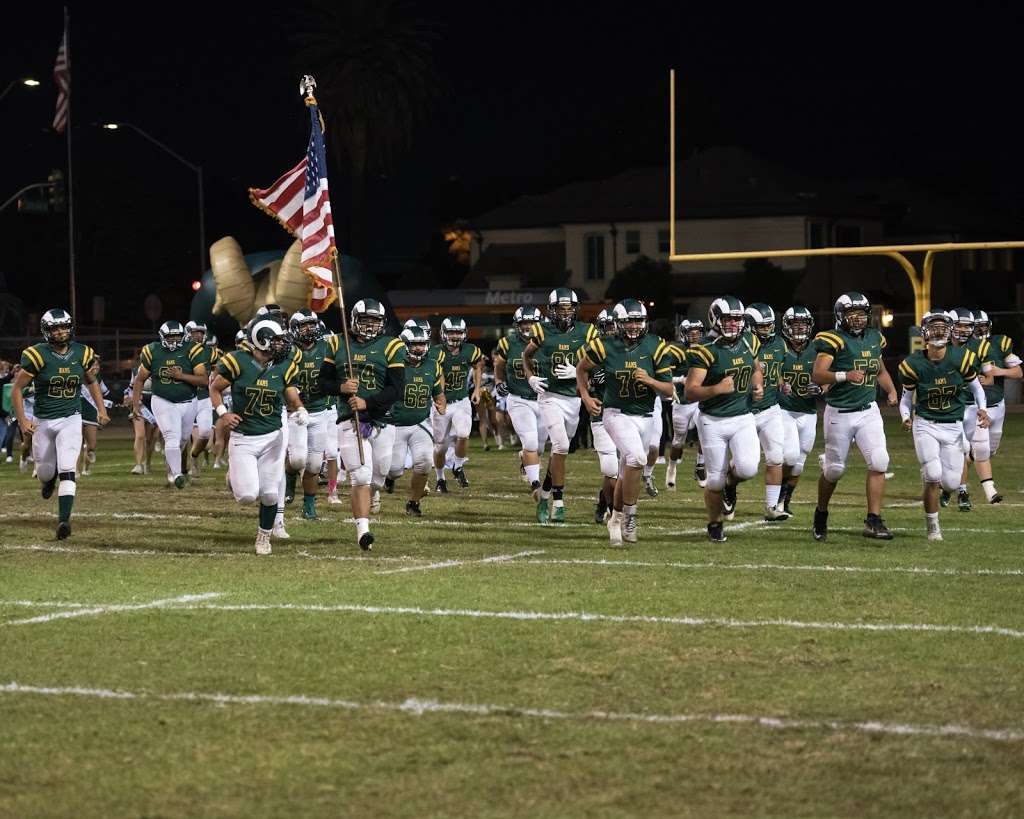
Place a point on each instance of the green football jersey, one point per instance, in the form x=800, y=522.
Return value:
x=719, y=360
x=457, y=368
x=209, y=358
x=771, y=354
x=257, y=390
x=848, y=352
x=370, y=363
x=555, y=347
x=158, y=360
x=57, y=378
x=940, y=386
x=796, y=371
x=621, y=390
x=423, y=383
x=510, y=348
x=309, y=362
x=994, y=350
x=679, y=371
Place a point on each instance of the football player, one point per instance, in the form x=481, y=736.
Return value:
x=461, y=360
x=56, y=369
x=684, y=410
x=849, y=363
x=723, y=376
x=604, y=446
x=935, y=381
x=549, y=362
x=521, y=400
x=424, y=386
x=196, y=333
x=177, y=369
x=962, y=335
x=261, y=379
x=798, y=398
x=638, y=368
x=144, y=426
x=90, y=420
x=767, y=414
x=375, y=382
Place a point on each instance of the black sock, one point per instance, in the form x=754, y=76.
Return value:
x=547, y=482
x=556, y=492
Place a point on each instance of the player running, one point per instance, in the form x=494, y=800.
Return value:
x=460, y=360
x=261, y=379
x=197, y=333
x=56, y=369
x=607, y=454
x=849, y=362
x=935, y=381
x=798, y=398
x=549, y=362
x=684, y=410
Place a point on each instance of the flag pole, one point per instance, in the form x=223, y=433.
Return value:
x=307, y=86
x=68, y=187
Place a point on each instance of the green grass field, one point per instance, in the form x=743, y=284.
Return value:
x=477, y=664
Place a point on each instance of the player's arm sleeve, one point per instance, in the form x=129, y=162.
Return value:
x=438, y=388
x=665, y=360
x=32, y=361
x=882, y=343
x=228, y=368
x=146, y=358
x=476, y=356
x=501, y=349
x=291, y=374
x=906, y=403
x=1009, y=356
x=828, y=343
x=537, y=334
x=594, y=351
x=698, y=357
x=978, y=392
x=907, y=376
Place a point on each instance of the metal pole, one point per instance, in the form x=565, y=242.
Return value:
x=671, y=163
x=71, y=198
x=202, y=224
x=348, y=352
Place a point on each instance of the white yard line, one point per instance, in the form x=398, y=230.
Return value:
x=445, y=564
x=594, y=617
x=418, y=707
x=112, y=609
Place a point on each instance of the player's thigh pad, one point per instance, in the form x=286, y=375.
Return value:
x=771, y=434
x=524, y=421
x=204, y=418
x=838, y=437
x=870, y=437
x=743, y=447
x=270, y=465
x=629, y=432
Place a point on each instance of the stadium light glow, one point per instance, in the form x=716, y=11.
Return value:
x=196, y=285
x=31, y=82
x=110, y=126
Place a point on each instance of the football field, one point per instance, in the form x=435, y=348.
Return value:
x=479, y=664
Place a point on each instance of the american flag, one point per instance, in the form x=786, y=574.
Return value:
x=299, y=200
x=62, y=78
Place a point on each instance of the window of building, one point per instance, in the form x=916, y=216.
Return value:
x=593, y=255
x=663, y=241
x=632, y=241
x=815, y=234
x=848, y=236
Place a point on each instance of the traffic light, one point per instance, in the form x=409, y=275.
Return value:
x=57, y=196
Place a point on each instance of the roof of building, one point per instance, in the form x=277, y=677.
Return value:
x=537, y=264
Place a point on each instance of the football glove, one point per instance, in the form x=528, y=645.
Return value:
x=301, y=416
x=565, y=371
x=501, y=388
x=537, y=384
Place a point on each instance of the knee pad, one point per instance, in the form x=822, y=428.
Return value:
x=269, y=498
x=833, y=471
x=313, y=462
x=363, y=476
x=951, y=483
x=609, y=464
x=931, y=472
x=250, y=497
x=981, y=450
x=636, y=460
x=559, y=440
x=716, y=481
x=172, y=439
x=879, y=461
x=744, y=470
x=773, y=455
x=798, y=467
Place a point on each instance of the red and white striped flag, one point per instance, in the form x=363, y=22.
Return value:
x=299, y=200
x=62, y=78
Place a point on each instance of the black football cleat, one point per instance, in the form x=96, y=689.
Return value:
x=729, y=501
x=944, y=498
x=366, y=541
x=875, y=528
x=441, y=486
x=389, y=485
x=820, y=529
x=716, y=533
x=412, y=509
x=460, y=477
x=48, y=488
x=63, y=530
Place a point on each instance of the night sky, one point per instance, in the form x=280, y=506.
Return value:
x=532, y=96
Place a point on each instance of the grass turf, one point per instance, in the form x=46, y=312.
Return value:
x=446, y=690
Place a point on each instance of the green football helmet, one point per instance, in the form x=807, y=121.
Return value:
x=268, y=336
x=690, y=331
x=367, y=319
x=982, y=324
x=797, y=324
x=761, y=320
x=422, y=324
x=726, y=317
x=606, y=323
x=304, y=326
x=417, y=343
x=172, y=335
x=630, y=320
x=562, y=307
x=57, y=326
x=852, y=311
x=453, y=332
x=936, y=328
x=962, y=320
x=523, y=320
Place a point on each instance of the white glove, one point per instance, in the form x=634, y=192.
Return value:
x=565, y=371
x=679, y=379
x=301, y=416
x=537, y=384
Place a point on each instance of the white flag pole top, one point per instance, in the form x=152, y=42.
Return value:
x=306, y=85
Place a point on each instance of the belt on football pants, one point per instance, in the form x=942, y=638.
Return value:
x=861, y=408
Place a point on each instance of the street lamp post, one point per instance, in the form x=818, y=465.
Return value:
x=29, y=82
x=113, y=126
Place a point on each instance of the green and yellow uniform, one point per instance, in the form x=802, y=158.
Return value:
x=57, y=378
x=994, y=350
x=423, y=383
x=719, y=360
x=457, y=368
x=849, y=352
x=940, y=386
x=555, y=347
x=309, y=361
x=621, y=390
x=257, y=391
x=209, y=358
x=510, y=348
x=370, y=363
x=158, y=360
x=771, y=354
x=796, y=371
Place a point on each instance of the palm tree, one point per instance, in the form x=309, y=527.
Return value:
x=377, y=83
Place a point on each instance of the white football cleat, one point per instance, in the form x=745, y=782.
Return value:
x=138, y=469
x=375, y=501
x=262, y=542
x=670, y=474
x=629, y=528
x=935, y=535
x=279, y=532
x=615, y=529
x=333, y=498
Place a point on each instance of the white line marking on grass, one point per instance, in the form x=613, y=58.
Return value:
x=113, y=609
x=449, y=563
x=42, y=604
x=758, y=567
x=592, y=617
x=418, y=707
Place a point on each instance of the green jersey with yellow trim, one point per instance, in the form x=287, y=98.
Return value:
x=209, y=357
x=720, y=360
x=621, y=390
x=309, y=362
x=158, y=360
x=257, y=390
x=771, y=354
x=423, y=383
x=864, y=353
x=510, y=348
x=679, y=371
x=939, y=386
x=57, y=378
x=995, y=350
x=370, y=363
x=797, y=367
x=555, y=347
x=457, y=367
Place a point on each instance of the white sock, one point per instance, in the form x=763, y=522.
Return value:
x=648, y=471
x=963, y=487
x=439, y=470
x=629, y=509
x=498, y=439
x=932, y=520
x=362, y=526
x=700, y=459
x=673, y=461
x=279, y=519
x=771, y=495
x=989, y=486
x=459, y=462
x=533, y=473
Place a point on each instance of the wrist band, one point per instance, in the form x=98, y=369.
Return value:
x=221, y=410
x=840, y=377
